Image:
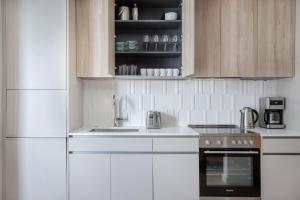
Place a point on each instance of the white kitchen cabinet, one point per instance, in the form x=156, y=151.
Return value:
x=131, y=177
x=281, y=169
x=176, y=176
x=35, y=169
x=36, y=113
x=89, y=176
x=36, y=44
x=281, y=177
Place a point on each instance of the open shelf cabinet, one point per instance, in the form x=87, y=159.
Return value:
x=150, y=22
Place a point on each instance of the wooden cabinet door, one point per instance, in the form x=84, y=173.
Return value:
x=131, y=177
x=36, y=44
x=208, y=38
x=89, y=176
x=188, y=41
x=276, y=38
x=95, y=38
x=176, y=176
x=35, y=169
x=281, y=177
x=238, y=38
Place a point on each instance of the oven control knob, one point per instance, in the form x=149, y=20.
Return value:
x=233, y=142
x=207, y=142
x=240, y=142
x=219, y=142
x=251, y=142
x=245, y=142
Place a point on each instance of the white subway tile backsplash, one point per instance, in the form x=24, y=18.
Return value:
x=172, y=87
x=208, y=87
x=198, y=117
x=202, y=102
x=164, y=103
x=157, y=87
x=182, y=102
x=227, y=102
x=216, y=102
x=187, y=102
x=220, y=87
x=212, y=117
x=234, y=86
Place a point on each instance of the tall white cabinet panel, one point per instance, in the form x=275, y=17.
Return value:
x=131, y=177
x=281, y=177
x=36, y=41
x=89, y=176
x=176, y=176
x=36, y=113
x=35, y=169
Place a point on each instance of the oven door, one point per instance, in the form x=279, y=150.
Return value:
x=229, y=173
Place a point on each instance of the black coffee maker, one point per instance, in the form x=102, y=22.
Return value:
x=271, y=112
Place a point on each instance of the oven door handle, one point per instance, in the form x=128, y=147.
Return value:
x=232, y=152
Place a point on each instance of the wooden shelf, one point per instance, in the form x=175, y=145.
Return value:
x=148, y=24
x=151, y=3
x=149, y=53
x=149, y=77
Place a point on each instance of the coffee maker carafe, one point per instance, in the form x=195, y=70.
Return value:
x=271, y=112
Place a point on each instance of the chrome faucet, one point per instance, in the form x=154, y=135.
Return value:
x=116, y=112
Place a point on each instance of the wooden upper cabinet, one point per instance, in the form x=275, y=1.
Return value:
x=208, y=38
x=276, y=38
x=238, y=38
x=188, y=42
x=95, y=38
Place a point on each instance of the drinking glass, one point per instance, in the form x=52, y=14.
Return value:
x=175, y=40
x=133, y=69
x=155, y=41
x=146, y=40
x=165, y=41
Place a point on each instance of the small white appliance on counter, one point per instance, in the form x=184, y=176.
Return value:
x=153, y=120
x=271, y=112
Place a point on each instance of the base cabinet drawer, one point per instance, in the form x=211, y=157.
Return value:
x=281, y=177
x=281, y=145
x=176, y=144
x=110, y=144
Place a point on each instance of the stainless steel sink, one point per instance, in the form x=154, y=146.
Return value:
x=113, y=130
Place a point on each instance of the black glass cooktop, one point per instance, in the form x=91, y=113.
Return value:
x=220, y=129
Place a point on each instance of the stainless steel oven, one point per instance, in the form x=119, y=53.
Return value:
x=229, y=173
x=229, y=165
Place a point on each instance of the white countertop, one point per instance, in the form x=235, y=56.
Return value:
x=276, y=132
x=163, y=132
x=180, y=131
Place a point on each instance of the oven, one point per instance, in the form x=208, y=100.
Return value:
x=229, y=172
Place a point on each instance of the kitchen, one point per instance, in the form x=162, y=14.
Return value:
x=143, y=100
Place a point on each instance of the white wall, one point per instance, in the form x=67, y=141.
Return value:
x=1, y=97
x=206, y=101
x=290, y=88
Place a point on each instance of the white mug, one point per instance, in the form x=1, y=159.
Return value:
x=175, y=72
x=156, y=72
x=162, y=72
x=144, y=72
x=169, y=72
x=150, y=72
